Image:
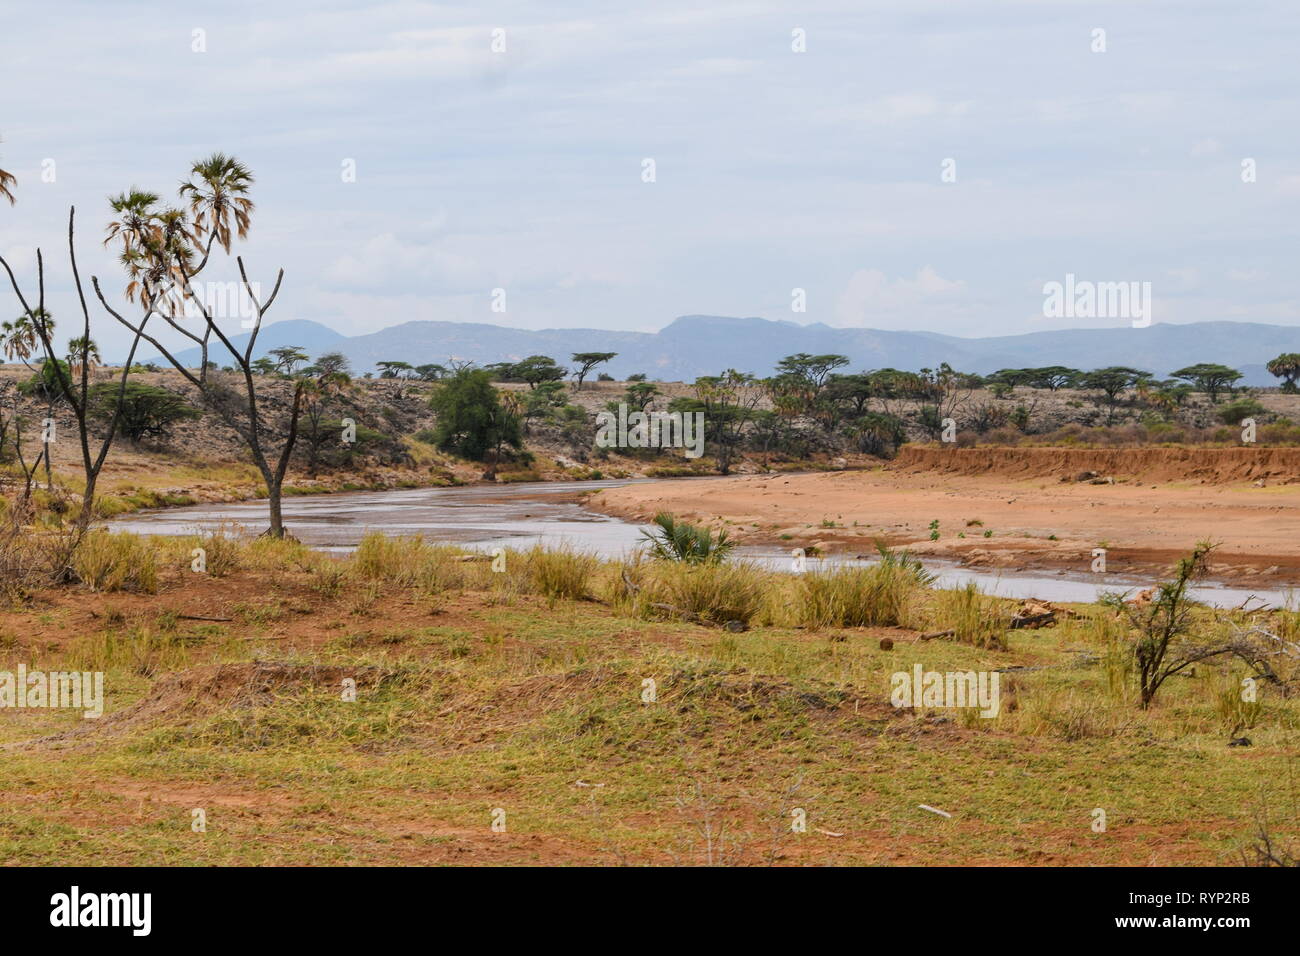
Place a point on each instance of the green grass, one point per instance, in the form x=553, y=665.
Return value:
x=508, y=693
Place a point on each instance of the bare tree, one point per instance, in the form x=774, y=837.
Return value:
x=242, y=412
x=73, y=381
x=11, y=440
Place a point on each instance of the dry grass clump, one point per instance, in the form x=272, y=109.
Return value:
x=406, y=562
x=393, y=560
x=974, y=617
x=710, y=593
x=626, y=579
x=267, y=554
x=116, y=561
x=225, y=550
x=1236, y=710
x=880, y=595
x=140, y=650
x=562, y=573
x=444, y=568
x=29, y=558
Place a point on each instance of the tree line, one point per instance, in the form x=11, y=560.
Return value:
x=808, y=404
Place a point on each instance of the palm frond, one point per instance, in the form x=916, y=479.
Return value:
x=692, y=544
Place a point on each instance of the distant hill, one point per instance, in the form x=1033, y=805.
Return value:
x=695, y=345
x=312, y=337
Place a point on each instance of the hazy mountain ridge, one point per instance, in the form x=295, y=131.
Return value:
x=695, y=345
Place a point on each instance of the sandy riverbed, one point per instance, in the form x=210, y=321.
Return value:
x=1040, y=522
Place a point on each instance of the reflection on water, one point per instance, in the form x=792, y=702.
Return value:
x=520, y=516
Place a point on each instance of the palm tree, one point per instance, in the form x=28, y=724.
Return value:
x=157, y=245
x=7, y=183
x=1286, y=366
x=82, y=350
x=135, y=209
x=218, y=193
x=19, y=339
x=170, y=254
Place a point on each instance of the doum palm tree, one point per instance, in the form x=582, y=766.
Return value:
x=20, y=339
x=83, y=352
x=218, y=195
x=7, y=184
x=217, y=191
x=157, y=247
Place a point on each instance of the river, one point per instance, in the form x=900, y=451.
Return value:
x=519, y=516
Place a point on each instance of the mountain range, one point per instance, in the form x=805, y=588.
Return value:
x=695, y=345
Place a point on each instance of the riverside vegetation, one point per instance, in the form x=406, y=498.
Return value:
x=521, y=685
x=412, y=703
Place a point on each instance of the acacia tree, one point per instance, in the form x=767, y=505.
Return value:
x=1209, y=377
x=430, y=372
x=587, y=361
x=810, y=371
x=946, y=392
x=1053, y=377
x=331, y=363
x=537, y=370
x=1111, y=382
x=1164, y=645
x=729, y=402
x=287, y=357
x=324, y=383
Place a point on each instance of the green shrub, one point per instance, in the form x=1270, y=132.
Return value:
x=1234, y=412
x=146, y=411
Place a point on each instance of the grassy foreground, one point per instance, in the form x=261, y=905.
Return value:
x=521, y=697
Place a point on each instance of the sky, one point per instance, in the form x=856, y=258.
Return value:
x=907, y=164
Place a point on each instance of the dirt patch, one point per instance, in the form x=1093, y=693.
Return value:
x=1205, y=465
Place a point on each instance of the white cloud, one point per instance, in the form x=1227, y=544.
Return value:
x=386, y=259
x=776, y=169
x=871, y=296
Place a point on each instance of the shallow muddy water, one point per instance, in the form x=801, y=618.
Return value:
x=549, y=513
